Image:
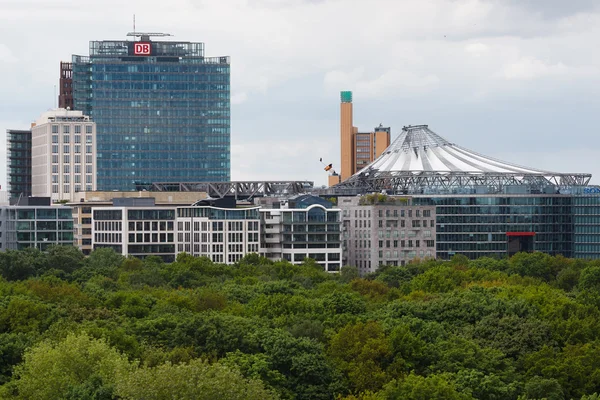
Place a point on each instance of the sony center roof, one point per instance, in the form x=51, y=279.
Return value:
x=420, y=158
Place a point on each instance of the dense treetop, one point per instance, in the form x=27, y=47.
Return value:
x=107, y=327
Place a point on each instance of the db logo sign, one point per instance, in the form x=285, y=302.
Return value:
x=141, y=49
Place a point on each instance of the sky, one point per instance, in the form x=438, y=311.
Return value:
x=517, y=80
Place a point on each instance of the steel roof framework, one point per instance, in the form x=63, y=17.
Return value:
x=239, y=189
x=408, y=166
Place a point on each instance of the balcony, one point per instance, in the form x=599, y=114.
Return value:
x=273, y=229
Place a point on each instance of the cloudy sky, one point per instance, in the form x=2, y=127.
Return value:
x=513, y=79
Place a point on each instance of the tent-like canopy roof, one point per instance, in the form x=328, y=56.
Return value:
x=420, y=158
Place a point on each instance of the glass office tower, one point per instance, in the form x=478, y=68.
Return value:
x=162, y=111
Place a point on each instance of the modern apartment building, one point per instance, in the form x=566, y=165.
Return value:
x=384, y=230
x=302, y=227
x=34, y=222
x=138, y=227
x=18, y=157
x=135, y=227
x=224, y=235
x=63, y=155
x=162, y=110
x=82, y=209
x=358, y=149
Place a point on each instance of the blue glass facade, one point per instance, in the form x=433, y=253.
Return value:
x=586, y=219
x=161, y=117
x=476, y=226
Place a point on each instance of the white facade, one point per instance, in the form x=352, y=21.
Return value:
x=63, y=155
x=223, y=235
x=135, y=231
x=293, y=234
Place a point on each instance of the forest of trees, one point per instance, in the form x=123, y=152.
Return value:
x=108, y=327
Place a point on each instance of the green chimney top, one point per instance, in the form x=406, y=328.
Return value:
x=346, y=96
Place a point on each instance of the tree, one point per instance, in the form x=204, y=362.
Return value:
x=55, y=370
x=197, y=380
x=63, y=258
x=363, y=353
x=540, y=388
x=415, y=387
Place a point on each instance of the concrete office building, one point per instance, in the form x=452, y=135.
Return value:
x=357, y=149
x=18, y=162
x=34, y=222
x=384, y=230
x=302, y=227
x=63, y=155
x=162, y=110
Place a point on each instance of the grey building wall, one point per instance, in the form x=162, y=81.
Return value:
x=392, y=232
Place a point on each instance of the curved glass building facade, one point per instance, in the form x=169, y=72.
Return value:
x=162, y=111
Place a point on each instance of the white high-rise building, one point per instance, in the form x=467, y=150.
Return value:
x=63, y=155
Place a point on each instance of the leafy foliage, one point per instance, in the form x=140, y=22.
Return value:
x=107, y=327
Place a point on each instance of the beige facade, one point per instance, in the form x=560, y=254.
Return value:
x=63, y=155
x=357, y=149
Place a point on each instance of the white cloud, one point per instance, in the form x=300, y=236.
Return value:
x=239, y=98
x=393, y=81
x=6, y=55
x=532, y=68
x=476, y=48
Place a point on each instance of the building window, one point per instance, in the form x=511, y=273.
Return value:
x=54, y=128
x=66, y=158
x=66, y=169
x=77, y=159
x=54, y=138
x=88, y=129
x=66, y=189
x=54, y=149
x=55, y=188
x=77, y=149
x=88, y=169
x=66, y=148
x=77, y=128
x=88, y=139
x=88, y=149
x=88, y=179
x=55, y=158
